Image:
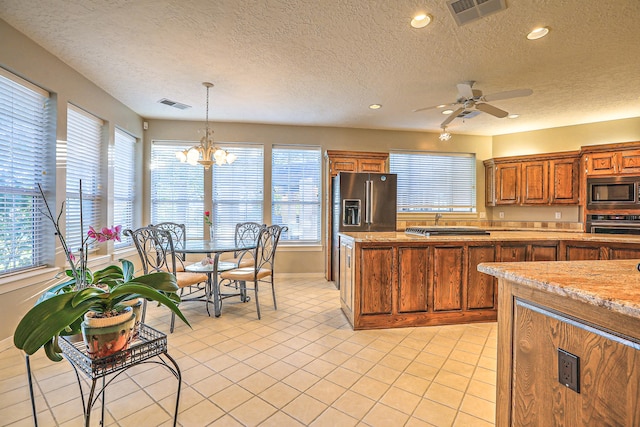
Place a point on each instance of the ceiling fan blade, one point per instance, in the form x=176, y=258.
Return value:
x=490, y=109
x=451, y=117
x=464, y=89
x=434, y=106
x=507, y=95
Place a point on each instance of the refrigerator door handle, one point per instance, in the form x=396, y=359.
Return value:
x=368, y=201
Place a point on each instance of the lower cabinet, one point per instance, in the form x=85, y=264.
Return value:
x=607, y=373
x=397, y=284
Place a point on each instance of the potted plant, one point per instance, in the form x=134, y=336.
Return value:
x=62, y=308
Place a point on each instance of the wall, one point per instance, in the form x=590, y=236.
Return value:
x=305, y=260
x=23, y=57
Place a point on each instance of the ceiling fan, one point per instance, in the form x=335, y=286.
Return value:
x=470, y=99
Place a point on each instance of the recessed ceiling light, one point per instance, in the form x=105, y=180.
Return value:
x=441, y=106
x=421, y=20
x=538, y=33
x=447, y=111
x=513, y=116
x=375, y=106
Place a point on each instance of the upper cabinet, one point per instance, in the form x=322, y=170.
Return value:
x=547, y=179
x=611, y=159
x=356, y=161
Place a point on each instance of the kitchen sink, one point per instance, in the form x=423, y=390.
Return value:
x=446, y=231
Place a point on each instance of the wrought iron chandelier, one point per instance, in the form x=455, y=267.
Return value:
x=206, y=153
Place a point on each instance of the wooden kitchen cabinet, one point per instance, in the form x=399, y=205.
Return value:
x=534, y=180
x=564, y=181
x=519, y=252
x=346, y=274
x=344, y=161
x=535, y=183
x=611, y=159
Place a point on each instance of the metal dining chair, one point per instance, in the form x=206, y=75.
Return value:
x=179, y=236
x=264, y=255
x=246, y=232
x=156, y=251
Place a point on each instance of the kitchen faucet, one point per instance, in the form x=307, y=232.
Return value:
x=438, y=216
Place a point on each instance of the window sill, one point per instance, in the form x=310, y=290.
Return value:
x=24, y=279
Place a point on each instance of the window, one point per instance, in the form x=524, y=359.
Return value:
x=296, y=195
x=23, y=143
x=124, y=183
x=238, y=191
x=84, y=142
x=177, y=189
x=435, y=182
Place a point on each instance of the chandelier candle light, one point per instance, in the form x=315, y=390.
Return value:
x=206, y=153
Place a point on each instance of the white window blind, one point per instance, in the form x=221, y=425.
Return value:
x=124, y=184
x=84, y=142
x=177, y=189
x=435, y=182
x=238, y=190
x=23, y=140
x=296, y=192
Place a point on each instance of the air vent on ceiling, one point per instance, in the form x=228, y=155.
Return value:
x=174, y=104
x=465, y=11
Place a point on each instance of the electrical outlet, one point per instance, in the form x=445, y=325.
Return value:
x=483, y=215
x=569, y=370
x=501, y=214
x=558, y=215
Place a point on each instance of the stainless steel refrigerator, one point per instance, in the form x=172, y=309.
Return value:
x=362, y=202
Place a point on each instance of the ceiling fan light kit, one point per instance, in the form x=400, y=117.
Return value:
x=471, y=101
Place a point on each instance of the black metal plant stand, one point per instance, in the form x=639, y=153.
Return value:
x=149, y=344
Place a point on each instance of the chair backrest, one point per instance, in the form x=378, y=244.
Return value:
x=178, y=235
x=155, y=249
x=266, y=248
x=247, y=232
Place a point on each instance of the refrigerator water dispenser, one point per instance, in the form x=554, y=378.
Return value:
x=351, y=212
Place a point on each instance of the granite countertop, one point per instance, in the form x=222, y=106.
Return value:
x=400, y=236
x=612, y=284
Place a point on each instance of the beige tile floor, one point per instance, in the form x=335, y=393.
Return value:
x=300, y=365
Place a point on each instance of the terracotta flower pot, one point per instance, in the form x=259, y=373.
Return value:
x=104, y=336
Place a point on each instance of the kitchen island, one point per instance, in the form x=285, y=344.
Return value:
x=393, y=279
x=568, y=343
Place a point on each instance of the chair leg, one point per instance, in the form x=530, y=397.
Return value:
x=173, y=321
x=273, y=291
x=255, y=290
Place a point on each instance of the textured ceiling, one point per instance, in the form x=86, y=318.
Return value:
x=310, y=62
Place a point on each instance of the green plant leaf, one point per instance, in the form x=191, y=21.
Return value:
x=160, y=281
x=46, y=320
x=145, y=291
x=127, y=269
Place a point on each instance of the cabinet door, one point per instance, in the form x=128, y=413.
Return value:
x=447, y=278
x=624, y=253
x=579, y=252
x=376, y=275
x=413, y=279
x=565, y=181
x=601, y=163
x=490, y=185
x=343, y=164
x=544, y=253
x=481, y=288
x=508, y=184
x=513, y=253
x=346, y=275
x=608, y=372
x=371, y=165
x=535, y=183
x=629, y=161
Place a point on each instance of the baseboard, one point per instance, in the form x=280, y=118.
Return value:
x=308, y=275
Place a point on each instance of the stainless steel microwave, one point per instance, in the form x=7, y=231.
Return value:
x=613, y=192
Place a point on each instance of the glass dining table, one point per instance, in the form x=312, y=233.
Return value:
x=211, y=266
